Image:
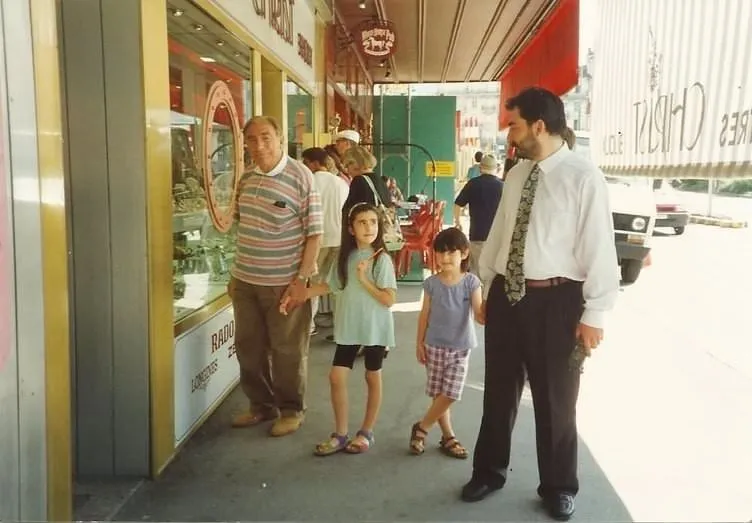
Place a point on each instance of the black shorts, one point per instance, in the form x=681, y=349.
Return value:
x=345, y=356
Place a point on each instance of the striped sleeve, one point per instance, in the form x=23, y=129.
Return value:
x=310, y=206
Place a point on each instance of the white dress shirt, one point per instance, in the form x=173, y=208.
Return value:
x=571, y=232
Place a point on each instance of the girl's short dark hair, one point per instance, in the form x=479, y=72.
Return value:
x=453, y=239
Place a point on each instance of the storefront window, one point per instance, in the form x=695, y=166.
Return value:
x=299, y=118
x=210, y=98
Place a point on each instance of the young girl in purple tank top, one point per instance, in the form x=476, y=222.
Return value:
x=445, y=337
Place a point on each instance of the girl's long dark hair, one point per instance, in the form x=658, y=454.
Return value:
x=348, y=239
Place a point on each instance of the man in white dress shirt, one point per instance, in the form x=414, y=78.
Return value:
x=550, y=274
x=333, y=192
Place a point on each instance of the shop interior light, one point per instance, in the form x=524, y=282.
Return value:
x=382, y=63
x=362, y=4
x=207, y=59
x=177, y=12
x=198, y=27
x=220, y=43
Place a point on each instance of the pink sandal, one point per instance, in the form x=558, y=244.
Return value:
x=366, y=442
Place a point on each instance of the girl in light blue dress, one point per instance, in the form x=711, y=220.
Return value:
x=364, y=285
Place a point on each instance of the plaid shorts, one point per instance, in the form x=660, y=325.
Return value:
x=446, y=369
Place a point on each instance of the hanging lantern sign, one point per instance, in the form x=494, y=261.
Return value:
x=378, y=38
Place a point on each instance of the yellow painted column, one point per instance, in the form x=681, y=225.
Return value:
x=273, y=97
x=54, y=260
x=159, y=229
x=320, y=125
x=257, y=80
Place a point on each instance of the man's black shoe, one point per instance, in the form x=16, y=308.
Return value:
x=476, y=489
x=560, y=506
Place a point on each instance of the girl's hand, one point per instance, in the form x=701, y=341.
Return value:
x=420, y=353
x=362, y=268
x=363, y=265
x=480, y=318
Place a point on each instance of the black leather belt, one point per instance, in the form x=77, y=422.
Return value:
x=548, y=282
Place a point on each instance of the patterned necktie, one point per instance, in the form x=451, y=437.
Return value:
x=514, y=278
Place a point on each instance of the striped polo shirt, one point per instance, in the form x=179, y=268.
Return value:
x=277, y=211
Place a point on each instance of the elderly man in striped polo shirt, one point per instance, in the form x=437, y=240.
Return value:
x=279, y=233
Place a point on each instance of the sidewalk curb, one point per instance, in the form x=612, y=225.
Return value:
x=718, y=222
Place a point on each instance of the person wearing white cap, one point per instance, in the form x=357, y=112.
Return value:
x=483, y=194
x=345, y=139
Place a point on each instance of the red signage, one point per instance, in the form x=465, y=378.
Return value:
x=378, y=38
x=550, y=60
x=280, y=16
x=305, y=51
x=221, y=209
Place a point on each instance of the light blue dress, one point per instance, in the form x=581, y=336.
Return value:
x=359, y=319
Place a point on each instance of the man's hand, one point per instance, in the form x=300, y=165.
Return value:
x=295, y=295
x=420, y=353
x=591, y=337
x=284, y=305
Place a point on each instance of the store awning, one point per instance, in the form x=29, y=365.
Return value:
x=441, y=40
x=550, y=59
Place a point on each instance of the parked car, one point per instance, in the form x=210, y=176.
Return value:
x=668, y=206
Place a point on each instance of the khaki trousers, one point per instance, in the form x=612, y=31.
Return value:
x=272, y=349
x=475, y=250
x=328, y=256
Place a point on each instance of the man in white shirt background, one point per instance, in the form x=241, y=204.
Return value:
x=550, y=274
x=333, y=192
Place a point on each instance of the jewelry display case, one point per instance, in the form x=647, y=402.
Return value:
x=210, y=98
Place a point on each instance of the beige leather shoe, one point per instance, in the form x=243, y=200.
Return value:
x=249, y=419
x=286, y=425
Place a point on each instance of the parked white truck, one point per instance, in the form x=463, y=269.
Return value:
x=634, y=214
x=671, y=94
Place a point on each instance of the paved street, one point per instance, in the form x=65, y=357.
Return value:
x=665, y=419
x=666, y=407
x=723, y=206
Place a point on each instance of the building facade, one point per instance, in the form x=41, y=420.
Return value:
x=122, y=148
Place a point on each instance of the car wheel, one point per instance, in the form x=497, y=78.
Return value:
x=679, y=230
x=630, y=270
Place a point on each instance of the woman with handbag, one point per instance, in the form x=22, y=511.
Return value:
x=368, y=187
x=358, y=162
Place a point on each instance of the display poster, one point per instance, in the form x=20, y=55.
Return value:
x=206, y=368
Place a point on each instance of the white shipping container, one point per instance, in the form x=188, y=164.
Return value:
x=671, y=93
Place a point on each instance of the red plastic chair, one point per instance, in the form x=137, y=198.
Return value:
x=422, y=240
x=418, y=219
